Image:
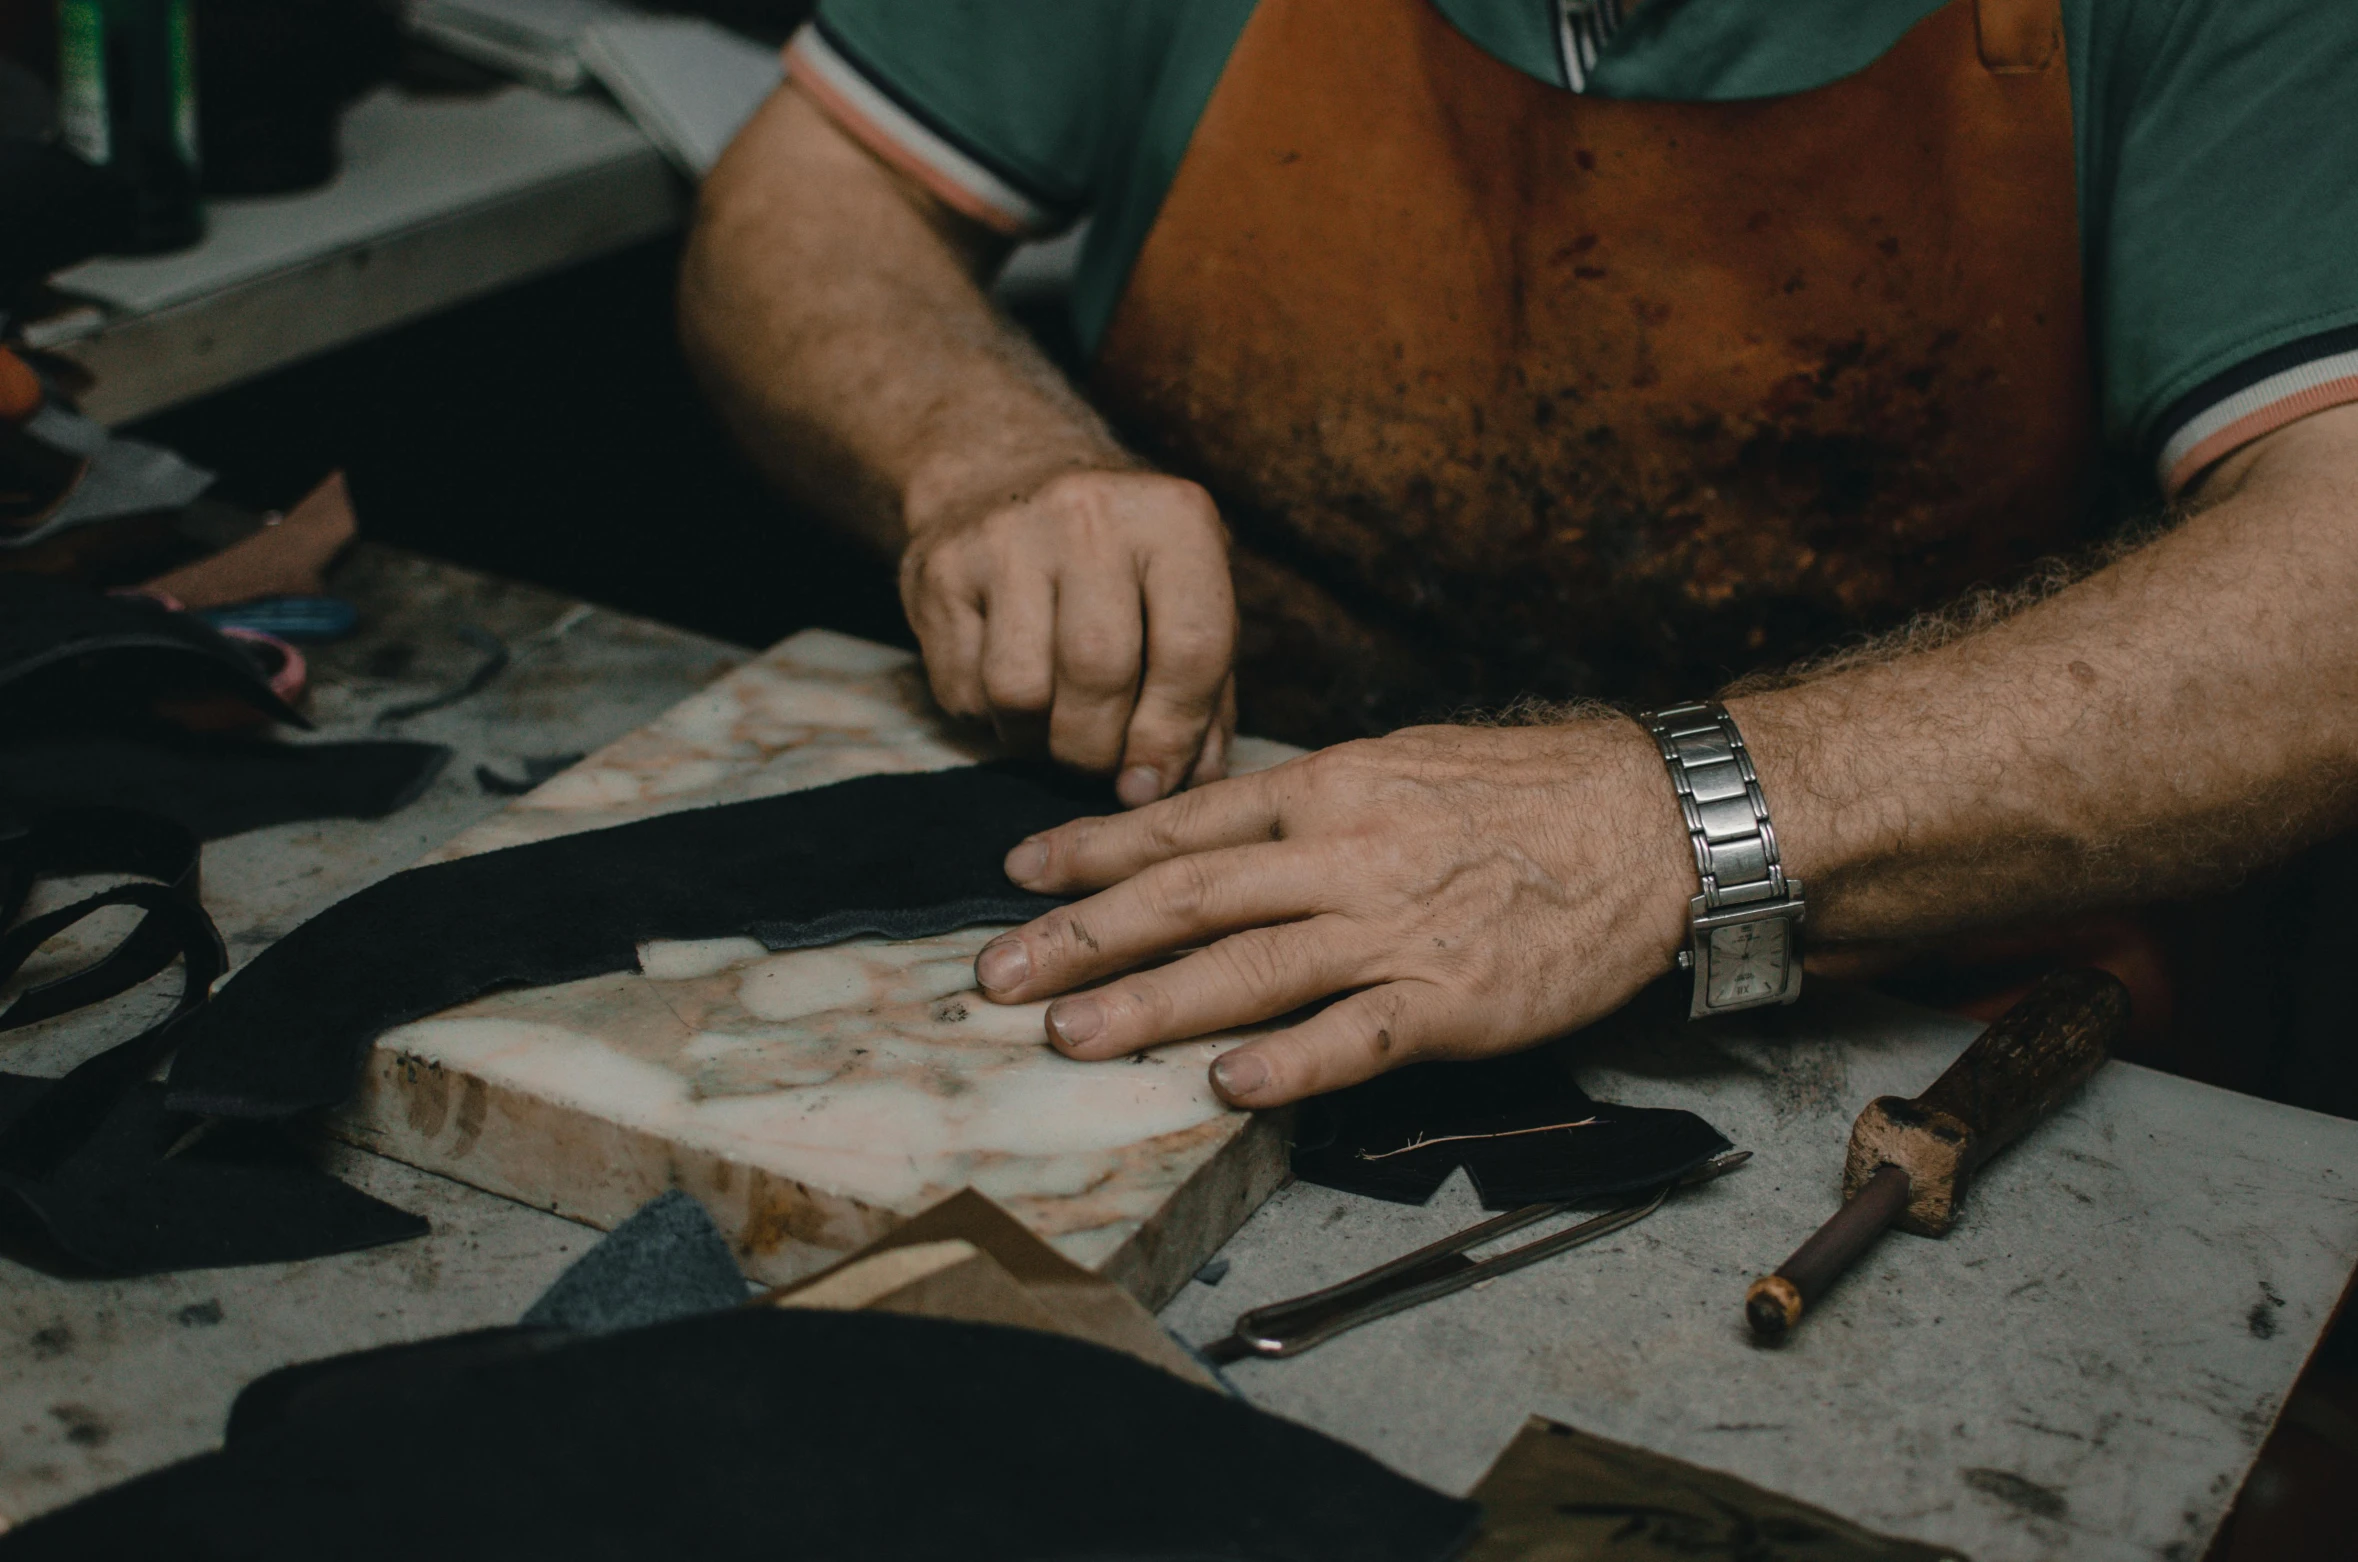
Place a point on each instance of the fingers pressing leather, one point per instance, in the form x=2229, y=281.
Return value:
x=951, y=639
x=1211, y=761
x=1244, y=978
x=1098, y=639
x=946, y=615
x=1355, y=1038
x=1190, y=645
x=1018, y=652
x=1089, y=853
x=1170, y=905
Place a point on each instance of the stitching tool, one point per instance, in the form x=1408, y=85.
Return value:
x=1290, y=1327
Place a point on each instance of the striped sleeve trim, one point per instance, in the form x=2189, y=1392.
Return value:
x=1583, y=28
x=2255, y=398
x=897, y=131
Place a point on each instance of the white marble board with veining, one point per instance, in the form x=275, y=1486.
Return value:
x=811, y=1098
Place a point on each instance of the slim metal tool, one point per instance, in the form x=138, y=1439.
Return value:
x=1290, y=1327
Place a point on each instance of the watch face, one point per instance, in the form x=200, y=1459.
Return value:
x=1747, y=962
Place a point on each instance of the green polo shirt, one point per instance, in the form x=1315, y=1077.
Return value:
x=2217, y=147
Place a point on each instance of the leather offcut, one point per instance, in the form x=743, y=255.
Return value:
x=217, y=786
x=96, y=1174
x=759, y=1433
x=899, y=856
x=72, y=659
x=1523, y=1131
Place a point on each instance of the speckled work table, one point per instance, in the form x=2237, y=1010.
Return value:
x=2083, y=1369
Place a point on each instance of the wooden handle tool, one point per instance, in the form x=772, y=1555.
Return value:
x=1910, y=1161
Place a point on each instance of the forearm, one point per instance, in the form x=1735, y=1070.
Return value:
x=2158, y=728
x=833, y=315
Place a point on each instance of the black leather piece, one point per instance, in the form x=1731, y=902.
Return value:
x=1495, y=1119
x=126, y=1204
x=33, y=1143
x=759, y=1433
x=95, y=1174
x=71, y=659
x=92, y=840
x=217, y=786
x=902, y=856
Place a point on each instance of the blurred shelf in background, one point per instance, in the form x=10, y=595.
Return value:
x=440, y=198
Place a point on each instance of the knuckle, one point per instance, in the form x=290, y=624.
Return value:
x=1016, y=689
x=1381, y=1022
x=934, y=571
x=1256, y=961
x=1168, y=824
x=1196, y=502
x=949, y=692
x=1100, y=656
x=1078, y=502
x=1197, y=656
x=1076, y=487
x=1021, y=698
x=1180, y=890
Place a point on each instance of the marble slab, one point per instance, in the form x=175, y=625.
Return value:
x=814, y=1098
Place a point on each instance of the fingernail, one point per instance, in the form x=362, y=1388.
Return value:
x=1076, y=1020
x=1239, y=1074
x=1027, y=862
x=1003, y=964
x=1139, y=786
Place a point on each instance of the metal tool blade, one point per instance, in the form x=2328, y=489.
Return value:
x=1292, y=1326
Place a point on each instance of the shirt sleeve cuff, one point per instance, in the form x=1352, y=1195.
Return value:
x=2258, y=397
x=884, y=121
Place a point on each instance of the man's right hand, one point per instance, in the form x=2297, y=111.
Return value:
x=1089, y=614
x=834, y=308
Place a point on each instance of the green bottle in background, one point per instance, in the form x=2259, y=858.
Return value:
x=126, y=90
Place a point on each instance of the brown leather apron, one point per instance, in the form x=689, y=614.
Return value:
x=1507, y=390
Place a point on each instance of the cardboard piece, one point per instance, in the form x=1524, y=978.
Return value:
x=1560, y=1495
x=967, y=1258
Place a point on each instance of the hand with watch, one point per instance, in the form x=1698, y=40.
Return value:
x=1442, y=892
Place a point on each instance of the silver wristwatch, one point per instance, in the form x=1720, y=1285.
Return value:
x=1745, y=928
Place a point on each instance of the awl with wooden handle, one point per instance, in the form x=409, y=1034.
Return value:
x=1910, y=1161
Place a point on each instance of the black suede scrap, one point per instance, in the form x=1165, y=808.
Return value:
x=74, y=659
x=902, y=856
x=217, y=786
x=150, y=1193
x=1509, y=1122
x=759, y=1433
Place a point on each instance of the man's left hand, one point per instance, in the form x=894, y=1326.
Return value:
x=1468, y=890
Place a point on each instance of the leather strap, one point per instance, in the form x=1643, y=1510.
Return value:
x=71, y=1110
x=94, y=840
x=174, y=927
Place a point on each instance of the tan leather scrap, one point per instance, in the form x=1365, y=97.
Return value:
x=1509, y=390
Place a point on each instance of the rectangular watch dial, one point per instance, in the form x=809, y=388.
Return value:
x=1747, y=962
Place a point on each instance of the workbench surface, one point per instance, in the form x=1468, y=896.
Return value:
x=2085, y=1368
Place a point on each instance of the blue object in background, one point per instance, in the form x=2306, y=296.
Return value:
x=306, y=620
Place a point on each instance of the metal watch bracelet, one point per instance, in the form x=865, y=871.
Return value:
x=1745, y=927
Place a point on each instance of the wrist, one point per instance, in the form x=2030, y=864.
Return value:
x=947, y=489
x=1610, y=786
